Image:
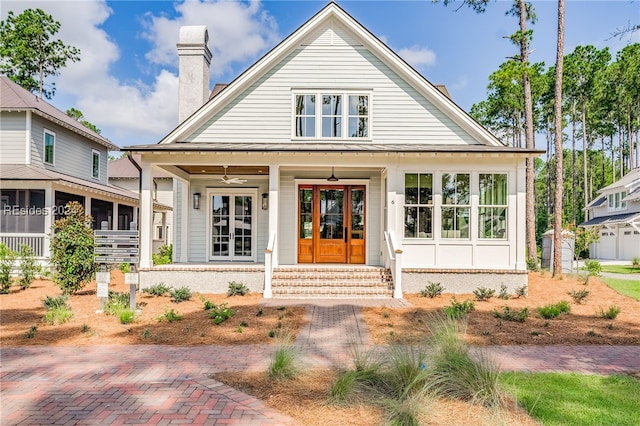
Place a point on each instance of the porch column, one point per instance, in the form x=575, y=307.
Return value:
x=114, y=220
x=274, y=204
x=185, y=204
x=146, y=215
x=521, y=229
x=48, y=221
x=394, y=223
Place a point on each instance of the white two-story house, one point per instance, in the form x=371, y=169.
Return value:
x=331, y=154
x=48, y=159
x=615, y=213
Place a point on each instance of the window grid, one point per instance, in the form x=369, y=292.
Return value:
x=456, y=208
x=95, y=164
x=418, y=205
x=492, y=208
x=335, y=115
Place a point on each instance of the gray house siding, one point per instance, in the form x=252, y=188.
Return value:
x=72, y=153
x=14, y=137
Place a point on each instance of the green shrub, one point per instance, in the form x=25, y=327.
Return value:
x=55, y=302
x=237, y=289
x=72, y=247
x=483, y=293
x=31, y=333
x=459, y=310
x=635, y=262
x=156, y=290
x=125, y=268
x=521, y=291
x=7, y=259
x=29, y=268
x=220, y=313
x=432, y=290
x=517, y=315
x=504, y=293
x=59, y=315
x=593, y=267
x=578, y=296
x=532, y=264
x=170, y=315
x=126, y=316
x=164, y=255
x=208, y=304
x=611, y=313
x=554, y=310
x=181, y=294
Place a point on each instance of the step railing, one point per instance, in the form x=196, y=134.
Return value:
x=393, y=261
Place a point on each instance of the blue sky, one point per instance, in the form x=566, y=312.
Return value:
x=126, y=81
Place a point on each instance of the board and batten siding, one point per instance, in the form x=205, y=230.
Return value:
x=14, y=138
x=73, y=154
x=399, y=113
x=199, y=226
x=288, y=219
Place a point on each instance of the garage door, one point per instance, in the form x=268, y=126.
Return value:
x=629, y=244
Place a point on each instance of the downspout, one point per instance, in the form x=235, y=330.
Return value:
x=137, y=166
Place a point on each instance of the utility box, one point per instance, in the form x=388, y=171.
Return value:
x=566, y=257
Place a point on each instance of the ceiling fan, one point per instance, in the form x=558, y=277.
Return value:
x=226, y=179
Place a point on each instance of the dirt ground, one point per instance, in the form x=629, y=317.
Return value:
x=305, y=398
x=584, y=325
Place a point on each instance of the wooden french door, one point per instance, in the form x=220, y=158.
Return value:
x=331, y=224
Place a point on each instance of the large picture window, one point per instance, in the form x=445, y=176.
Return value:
x=492, y=207
x=49, y=146
x=331, y=115
x=418, y=205
x=455, y=205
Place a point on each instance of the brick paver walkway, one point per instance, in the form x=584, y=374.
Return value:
x=171, y=385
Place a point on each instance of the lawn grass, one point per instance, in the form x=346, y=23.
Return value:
x=629, y=288
x=576, y=399
x=621, y=269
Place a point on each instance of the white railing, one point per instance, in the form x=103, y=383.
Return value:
x=393, y=261
x=268, y=265
x=16, y=241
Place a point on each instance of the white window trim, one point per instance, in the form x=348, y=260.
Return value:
x=620, y=205
x=44, y=147
x=506, y=206
x=431, y=206
x=318, y=116
x=456, y=206
x=93, y=153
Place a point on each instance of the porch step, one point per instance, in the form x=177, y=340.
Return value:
x=332, y=282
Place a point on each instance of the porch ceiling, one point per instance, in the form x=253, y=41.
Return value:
x=220, y=170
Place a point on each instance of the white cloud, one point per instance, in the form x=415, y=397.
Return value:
x=136, y=112
x=237, y=32
x=418, y=57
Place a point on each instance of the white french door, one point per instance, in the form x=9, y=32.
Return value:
x=232, y=224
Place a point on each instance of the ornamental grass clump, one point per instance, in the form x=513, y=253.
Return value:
x=58, y=311
x=283, y=363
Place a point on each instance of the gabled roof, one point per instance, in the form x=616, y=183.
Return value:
x=332, y=12
x=14, y=97
x=611, y=219
x=631, y=178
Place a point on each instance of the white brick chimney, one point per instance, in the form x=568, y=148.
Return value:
x=195, y=59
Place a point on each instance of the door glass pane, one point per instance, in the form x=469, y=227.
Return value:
x=357, y=214
x=220, y=225
x=306, y=214
x=331, y=214
x=242, y=225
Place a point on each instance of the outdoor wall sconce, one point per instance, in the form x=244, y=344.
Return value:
x=265, y=201
x=196, y=200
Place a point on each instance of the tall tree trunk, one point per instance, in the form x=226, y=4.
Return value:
x=621, y=149
x=530, y=213
x=549, y=156
x=573, y=163
x=585, y=146
x=557, y=109
x=604, y=158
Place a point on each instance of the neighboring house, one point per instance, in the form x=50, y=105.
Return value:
x=48, y=159
x=124, y=174
x=331, y=152
x=615, y=213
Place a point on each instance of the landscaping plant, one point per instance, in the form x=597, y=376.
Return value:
x=237, y=289
x=483, y=293
x=181, y=294
x=611, y=313
x=578, y=296
x=164, y=255
x=458, y=310
x=28, y=267
x=58, y=311
x=552, y=311
x=7, y=259
x=517, y=315
x=159, y=289
x=283, y=363
x=72, y=247
x=432, y=290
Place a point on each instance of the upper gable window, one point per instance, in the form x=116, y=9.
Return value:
x=615, y=201
x=331, y=115
x=95, y=164
x=49, y=146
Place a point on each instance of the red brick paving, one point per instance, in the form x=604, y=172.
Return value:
x=165, y=385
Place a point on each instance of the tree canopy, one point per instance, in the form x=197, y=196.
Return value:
x=28, y=52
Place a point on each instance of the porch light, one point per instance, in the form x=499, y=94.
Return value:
x=265, y=201
x=196, y=200
x=332, y=178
